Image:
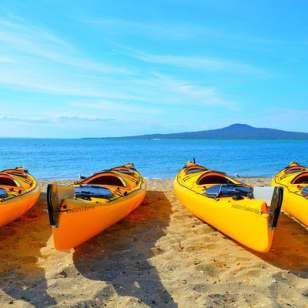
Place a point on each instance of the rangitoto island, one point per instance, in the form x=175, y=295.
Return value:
x=234, y=131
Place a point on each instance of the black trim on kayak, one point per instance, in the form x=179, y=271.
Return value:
x=275, y=207
x=53, y=209
x=50, y=206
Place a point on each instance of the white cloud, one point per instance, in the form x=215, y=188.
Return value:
x=154, y=91
x=188, y=93
x=74, y=117
x=186, y=31
x=53, y=118
x=22, y=39
x=117, y=108
x=196, y=62
x=57, y=81
x=158, y=30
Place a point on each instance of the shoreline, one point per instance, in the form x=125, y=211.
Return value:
x=150, y=179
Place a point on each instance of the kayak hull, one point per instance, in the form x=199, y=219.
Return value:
x=244, y=226
x=76, y=227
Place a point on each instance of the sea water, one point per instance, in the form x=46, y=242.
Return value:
x=69, y=158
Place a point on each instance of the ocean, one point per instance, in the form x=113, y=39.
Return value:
x=69, y=158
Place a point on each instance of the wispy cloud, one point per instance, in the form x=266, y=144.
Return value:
x=116, y=108
x=153, y=92
x=25, y=39
x=74, y=117
x=53, y=118
x=183, y=92
x=32, y=76
x=186, y=31
x=196, y=62
x=158, y=30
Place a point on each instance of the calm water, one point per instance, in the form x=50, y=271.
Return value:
x=58, y=158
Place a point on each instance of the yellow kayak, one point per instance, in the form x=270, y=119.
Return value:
x=294, y=180
x=246, y=215
x=19, y=191
x=80, y=211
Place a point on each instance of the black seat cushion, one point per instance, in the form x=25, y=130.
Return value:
x=227, y=190
x=88, y=191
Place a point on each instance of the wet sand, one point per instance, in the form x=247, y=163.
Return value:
x=159, y=256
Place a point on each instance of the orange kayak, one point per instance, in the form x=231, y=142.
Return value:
x=248, y=215
x=19, y=191
x=80, y=211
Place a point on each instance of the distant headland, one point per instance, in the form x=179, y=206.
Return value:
x=234, y=131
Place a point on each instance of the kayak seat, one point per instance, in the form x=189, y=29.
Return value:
x=88, y=191
x=227, y=190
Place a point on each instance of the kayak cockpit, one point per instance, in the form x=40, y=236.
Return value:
x=213, y=178
x=302, y=178
x=9, y=186
x=7, y=180
x=106, y=178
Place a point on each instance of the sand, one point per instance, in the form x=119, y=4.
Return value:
x=159, y=256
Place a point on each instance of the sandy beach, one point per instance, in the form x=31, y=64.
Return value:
x=159, y=256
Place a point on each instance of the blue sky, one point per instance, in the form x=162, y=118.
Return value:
x=113, y=68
